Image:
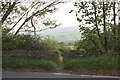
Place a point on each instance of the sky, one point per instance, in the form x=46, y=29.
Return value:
x=64, y=17
x=69, y=19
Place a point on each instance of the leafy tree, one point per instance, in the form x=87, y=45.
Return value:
x=97, y=25
x=15, y=13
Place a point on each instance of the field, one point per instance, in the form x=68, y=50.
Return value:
x=63, y=34
x=64, y=37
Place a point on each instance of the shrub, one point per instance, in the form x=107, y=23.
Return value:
x=26, y=42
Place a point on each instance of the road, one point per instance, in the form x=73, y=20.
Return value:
x=49, y=75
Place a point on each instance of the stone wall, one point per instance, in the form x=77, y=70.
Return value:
x=68, y=55
x=30, y=54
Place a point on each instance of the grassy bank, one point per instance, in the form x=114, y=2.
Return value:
x=93, y=63
x=29, y=64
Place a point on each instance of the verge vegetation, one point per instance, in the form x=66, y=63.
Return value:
x=30, y=64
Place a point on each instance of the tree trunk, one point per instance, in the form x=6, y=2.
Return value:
x=119, y=13
x=114, y=15
x=96, y=24
x=105, y=29
x=26, y=20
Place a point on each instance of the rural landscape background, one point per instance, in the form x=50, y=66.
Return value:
x=63, y=34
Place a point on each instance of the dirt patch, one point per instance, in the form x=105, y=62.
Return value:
x=26, y=70
x=60, y=69
x=95, y=72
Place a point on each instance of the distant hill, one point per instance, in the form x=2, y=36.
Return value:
x=61, y=29
x=63, y=34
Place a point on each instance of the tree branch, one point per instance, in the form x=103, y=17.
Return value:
x=23, y=16
x=10, y=9
x=96, y=24
x=51, y=4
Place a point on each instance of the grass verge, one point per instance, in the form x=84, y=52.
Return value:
x=30, y=64
x=99, y=63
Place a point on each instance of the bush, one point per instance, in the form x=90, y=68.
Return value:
x=26, y=42
x=92, y=64
x=32, y=64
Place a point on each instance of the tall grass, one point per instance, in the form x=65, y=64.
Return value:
x=92, y=64
x=32, y=64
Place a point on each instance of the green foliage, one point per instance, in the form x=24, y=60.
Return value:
x=93, y=63
x=51, y=44
x=27, y=42
x=30, y=64
x=64, y=48
x=60, y=58
x=90, y=43
x=13, y=12
x=100, y=36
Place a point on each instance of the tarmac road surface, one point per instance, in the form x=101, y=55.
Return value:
x=53, y=75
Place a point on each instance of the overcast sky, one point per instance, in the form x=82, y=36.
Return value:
x=63, y=16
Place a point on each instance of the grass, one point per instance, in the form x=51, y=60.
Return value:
x=61, y=59
x=31, y=64
x=100, y=63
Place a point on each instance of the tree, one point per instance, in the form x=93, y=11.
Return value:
x=9, y=10
x=96, y=22
x=114, y=15
x=96, y=25
x=105, y=28
x=22, y=13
